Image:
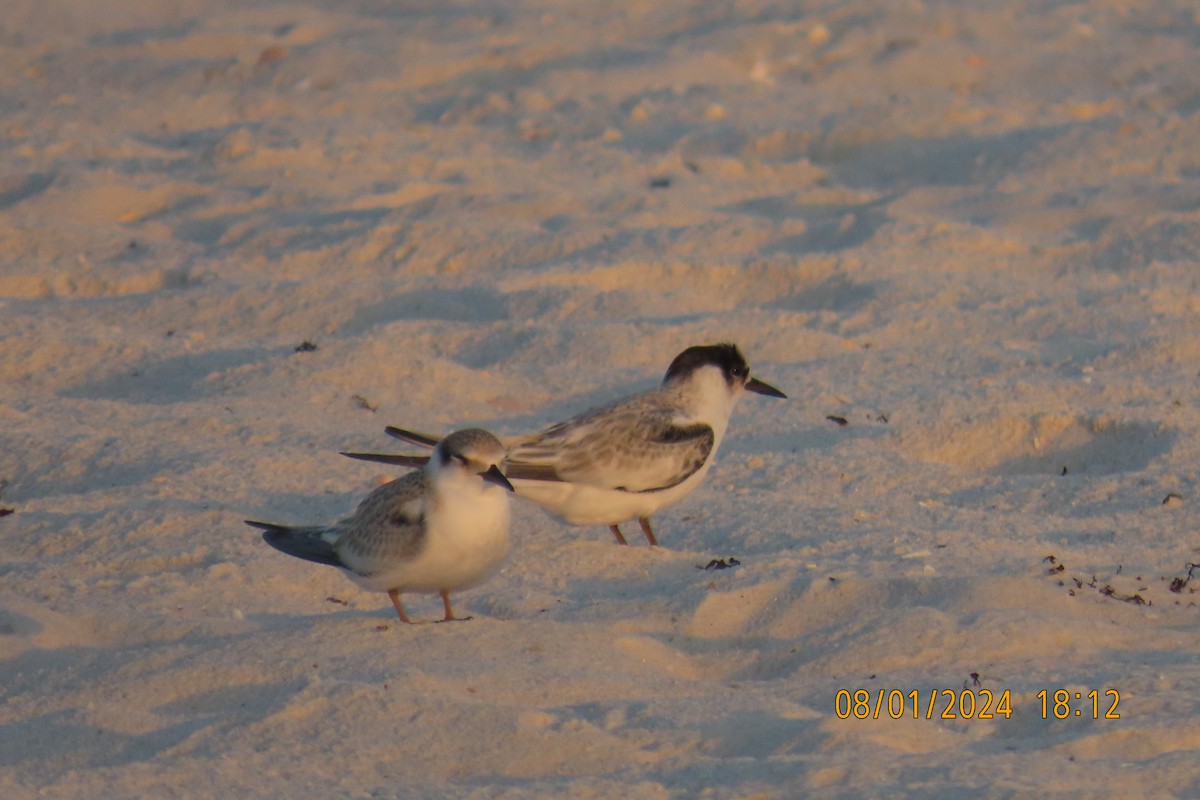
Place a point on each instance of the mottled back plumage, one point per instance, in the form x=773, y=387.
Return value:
x=640, y=447
x=389, y=524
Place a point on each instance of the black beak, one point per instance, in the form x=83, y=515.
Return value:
x=494, y=475
x=758, y=387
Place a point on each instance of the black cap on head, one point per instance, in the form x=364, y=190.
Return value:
x=724, y=356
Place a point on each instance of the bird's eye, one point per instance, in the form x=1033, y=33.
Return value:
x=460, y=458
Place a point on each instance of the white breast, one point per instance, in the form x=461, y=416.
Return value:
x=466, y=542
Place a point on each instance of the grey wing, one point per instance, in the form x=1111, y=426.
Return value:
x=398, y=459
x=388, y=526
x=631, y=448
x=412, y=437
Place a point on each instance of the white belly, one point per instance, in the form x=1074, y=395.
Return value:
x=580, y=504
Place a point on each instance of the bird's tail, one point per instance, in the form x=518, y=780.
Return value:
x=312, y=544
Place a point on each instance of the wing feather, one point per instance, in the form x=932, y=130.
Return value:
x=398, y=459
x=389, y=525
x=632, y=448
x=412, y=437
x=314, y=543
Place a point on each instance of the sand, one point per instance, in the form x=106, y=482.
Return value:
x=963, y=237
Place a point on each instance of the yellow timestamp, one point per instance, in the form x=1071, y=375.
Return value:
x=915, y=704
x=1095, y=704
x=971, y=704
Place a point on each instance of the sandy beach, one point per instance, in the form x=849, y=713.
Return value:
x=237, y=238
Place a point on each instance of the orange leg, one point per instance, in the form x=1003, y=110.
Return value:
x=395, y=595
x=449, y=611
x=645, y=523
x=617, y=533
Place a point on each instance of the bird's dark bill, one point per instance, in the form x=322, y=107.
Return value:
x=758, y=387
x=494, y=475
